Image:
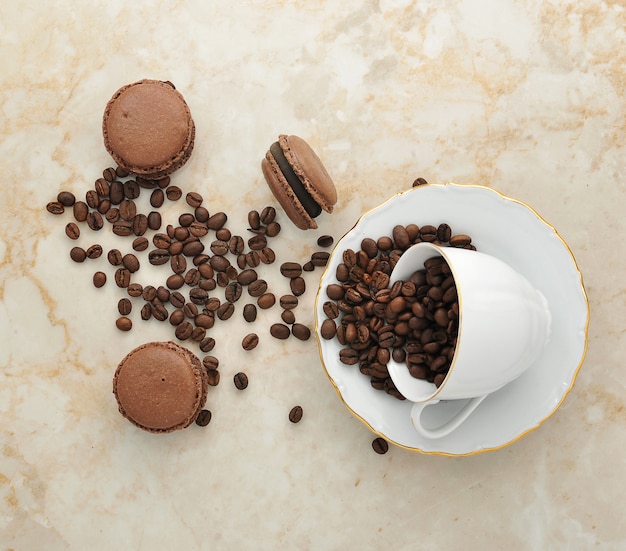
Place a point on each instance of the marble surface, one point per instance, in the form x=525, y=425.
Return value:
x=523, y=96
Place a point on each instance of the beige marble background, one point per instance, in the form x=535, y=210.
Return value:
x=527, y=97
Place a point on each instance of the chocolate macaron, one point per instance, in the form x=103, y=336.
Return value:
x=298, y=180
x=148, y=129
x=160, y=387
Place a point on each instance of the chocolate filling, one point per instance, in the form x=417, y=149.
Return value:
x=309, y=204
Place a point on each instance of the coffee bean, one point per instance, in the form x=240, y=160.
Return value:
x=193, y=199
x=205, y=320
x=301, y=332
x=99, y=279
x=288, y=317
x=288, y=302
x=197, y=229
x=102, y=187
x=219, y=263
x=134, y=290
x=257, y=242
x=124, y=306
x=173, y=193
x=183, y=330
x=55, y=207
x=254, y=219
x=210, y=362
x=178, y=264
x=233, y=290
x=207, y=344
x=267, y=255
x=78, y=254
x=330, y=309
x=94, y=251
x=157, y=198
x=109, y=174
x=325, y=241
x=116, y=192
x=380, y=445
x=92, y=198
x=201, y=214
x=128, y=210
x=95, y=221
x=158, y=257
x=122, y=228
x=175, y=281
x=266, y=300
x=193, y=248
x=213, y=377
x=295, y=415
x=154, y=220
x=334, y=291
x=114, y=256
x=225, y=311
x=66, y=198
x=131, y=189
x=253, y=259
x=130, y=262
x=146, y=312
x=328, y=329
x=401, y=237
x=241, y=381
x=272, y=229
x=216, y=221
x=122, y=277
x=290, y=269
x=257, y=288
x=268, y=215
x=460, y=240
x=279, y=331
x=348, y=356
x=140, y=224
x=250, y=341
x=320, y=258
x=204, y=418
x=124, y=324
x=297, y=286
x=249, y=312
x=247, y=276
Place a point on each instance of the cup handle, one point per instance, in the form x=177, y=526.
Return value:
x=448, y=426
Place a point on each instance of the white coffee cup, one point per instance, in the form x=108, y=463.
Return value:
x=504, y=324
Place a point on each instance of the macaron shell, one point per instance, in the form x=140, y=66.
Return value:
x=285, y=195
x=139, y=112
x=310, y=169
x=160, y=387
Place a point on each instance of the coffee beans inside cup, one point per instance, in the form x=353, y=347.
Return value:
x=413, y=321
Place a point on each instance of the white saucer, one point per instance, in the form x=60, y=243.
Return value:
x=515, y=233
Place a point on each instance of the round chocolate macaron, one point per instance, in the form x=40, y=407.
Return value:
x=298, y=180
x=148, y=129
x=160, y=387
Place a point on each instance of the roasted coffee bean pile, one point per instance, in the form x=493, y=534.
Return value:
x=413, y=321
x=203, y=257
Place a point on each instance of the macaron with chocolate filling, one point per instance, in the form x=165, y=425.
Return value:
x=148, y=129
x=160, y=387
x=298, y=180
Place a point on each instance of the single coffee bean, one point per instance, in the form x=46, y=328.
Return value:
x=177, y=317
x=124, y=324
x=146, y=311
x=158, y=257
x=114, y=256
x=157, y=198
x=300, y=331
x=206, y=345
x=154, y=220
x=99, y=279
x=140, y=244
x=290, y=269
x=92, y=198
x=128, y=210
x=116, y=192
x=328, y=329
x=257, y=242
x=250, y=341
x=225, y=311
x=102, y=187
x=267, y=255
x=288, y=317
x=236, y=244
x=130, y=262
x=335, y=291
x=131, y=189
x=124, y=306
x=268, y=215
x=330, y=309
x=241, y=381
x=380, y=445
x=253, y=259
x=249, y=312
x=219, y=247
x=233, y=290
x=78, y=254
x=104, y=207
x=279, y=331
x=134, y=290
x=193, y=199
x=369, y=246
x=210, y=362
x=401, y=237
x=460, y=240
x=204, y=418
x=320, y=258
x=295, y=415
x=55, y=207
x=109, y=174
x=257, y=288
x=198, y=229
x=272, y=229
x=190, y=309
x=349, y=356
x=163, y=293
x=94, y=251
x=80, y=211
x=122, y=228
x=176, y=247
x=266, y=300
x=178, y=264
x=288, y=302
x=122, y=277
x=173, y=193
x=213, y=376
x=66, y=198
x=325, y=241
x=216, y=221
x=205, y=320
x=140, y=224
x=193, y=248
x=247, y=276
x=177, y=300
x=183, y=331
x=201, y=214
x=298, y=286
x=254, y=219
x=95, y=221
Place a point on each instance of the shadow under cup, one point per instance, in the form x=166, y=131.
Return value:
x=504, y=324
